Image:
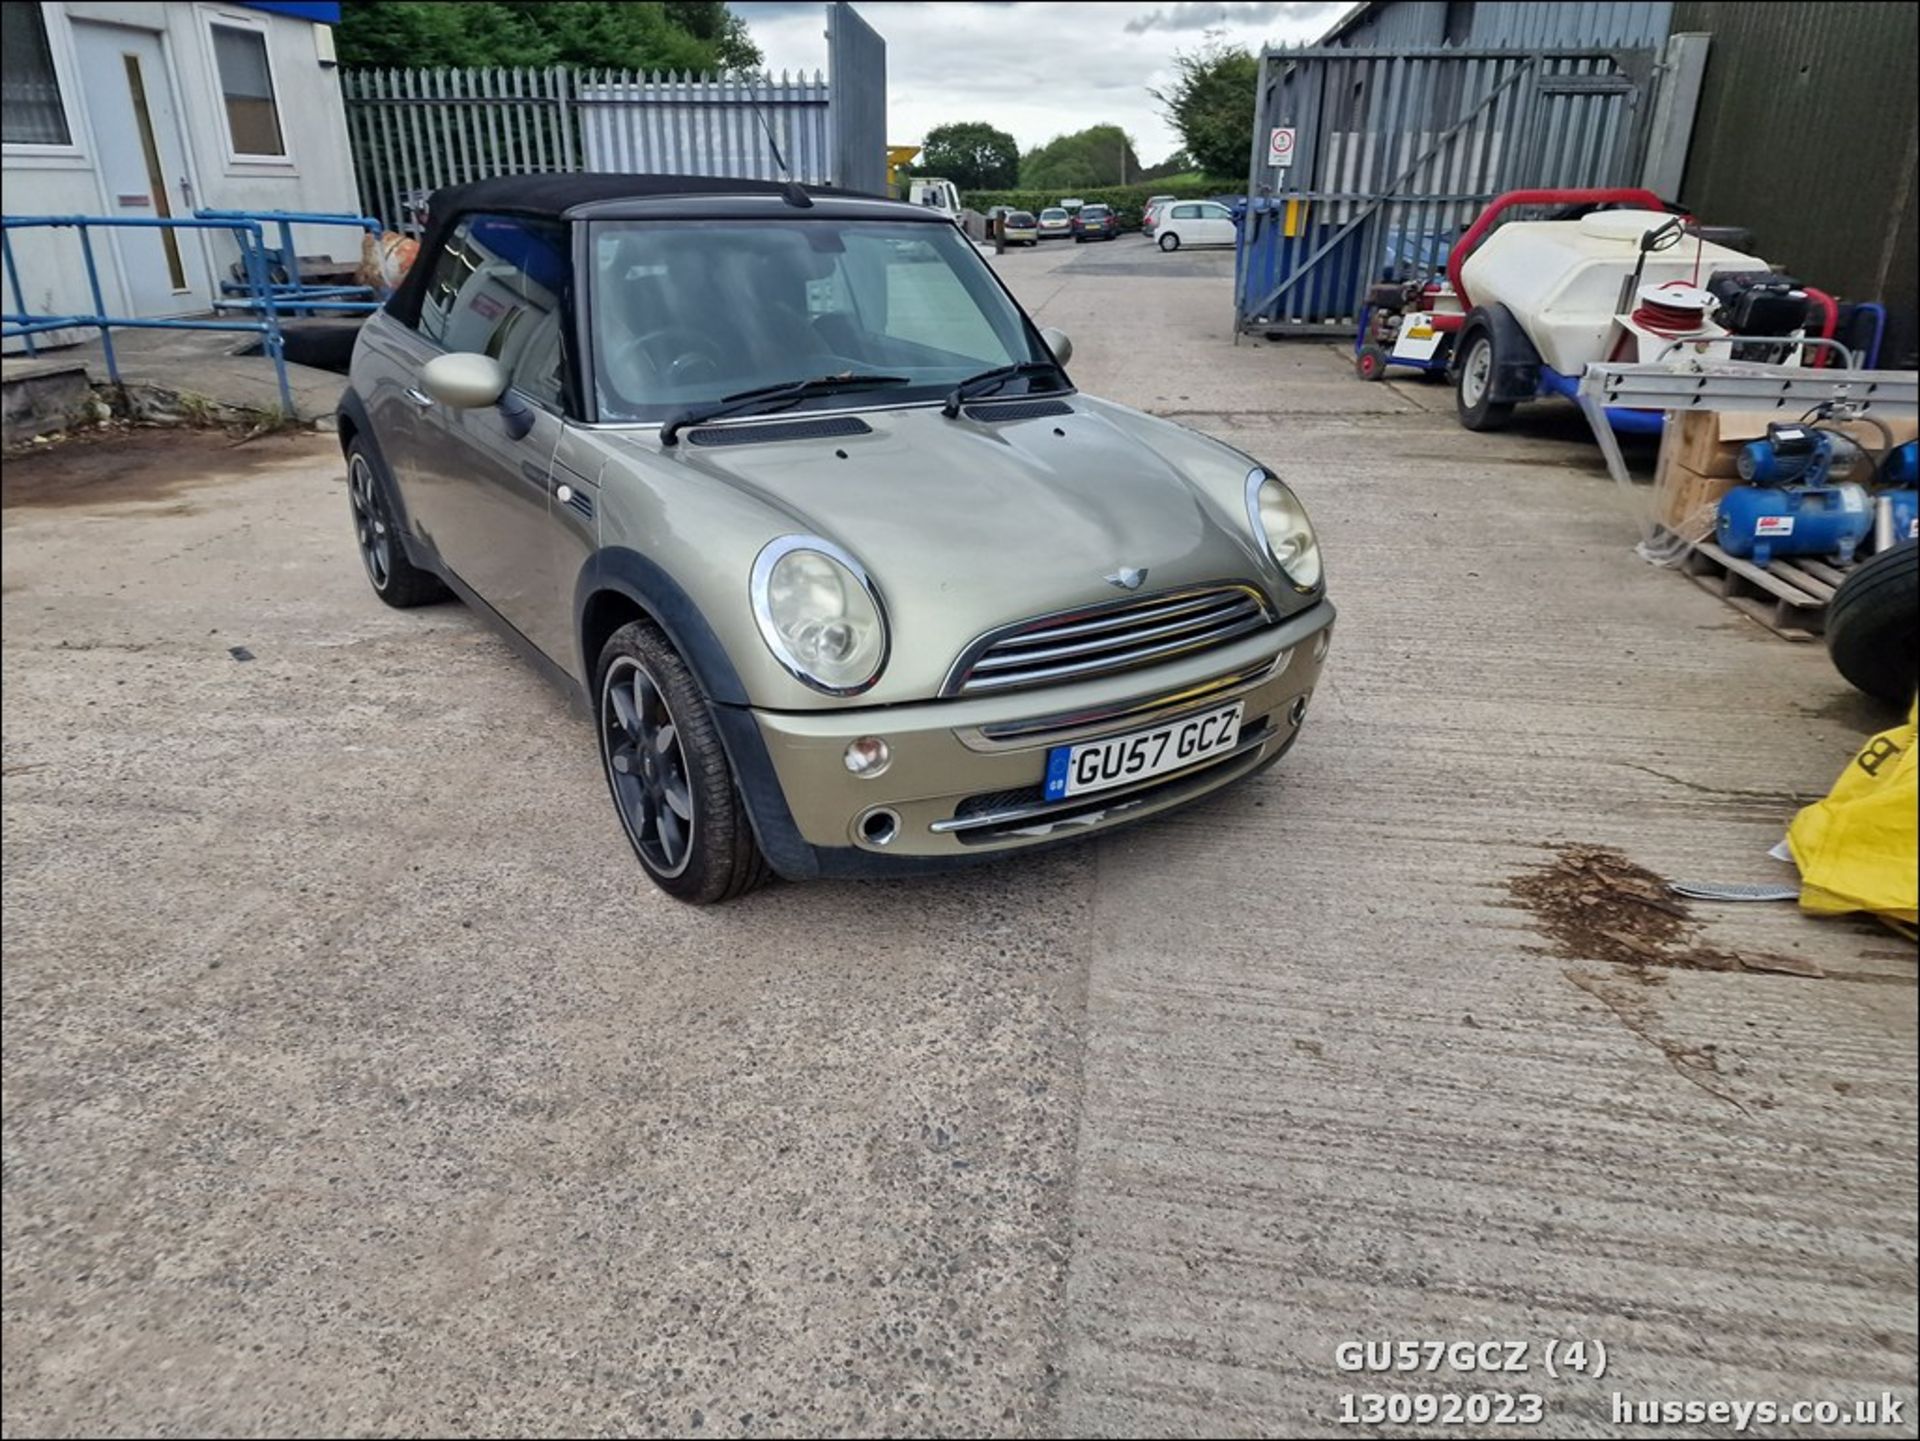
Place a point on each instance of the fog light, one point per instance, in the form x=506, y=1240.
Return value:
x=868, y=756
x=1298, y=711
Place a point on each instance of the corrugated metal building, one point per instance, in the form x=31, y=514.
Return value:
x=1399, y=24
x=1807, y=134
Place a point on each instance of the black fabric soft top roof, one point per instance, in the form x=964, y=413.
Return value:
x=549, y=196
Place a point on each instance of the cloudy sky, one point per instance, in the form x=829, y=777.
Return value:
x=1034, y=68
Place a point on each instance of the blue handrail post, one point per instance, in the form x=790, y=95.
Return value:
x=262, y=282
x=99, y=302
x=292, y=257
x=19, y=298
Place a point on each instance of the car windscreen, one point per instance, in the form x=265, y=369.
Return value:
x=1020, y=218
x=1053, y=215
x=1094, y=212
x=690, y=311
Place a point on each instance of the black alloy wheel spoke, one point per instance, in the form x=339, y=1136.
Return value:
x=649, y=769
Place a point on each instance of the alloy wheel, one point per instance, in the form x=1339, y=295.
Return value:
x=646, y=767
x=371, y=525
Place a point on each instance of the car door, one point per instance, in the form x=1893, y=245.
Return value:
x=1215, y=225
x=1183, y=222
x=482, y=493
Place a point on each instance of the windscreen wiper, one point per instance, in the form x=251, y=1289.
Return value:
x=773, y=397
x=988, y=381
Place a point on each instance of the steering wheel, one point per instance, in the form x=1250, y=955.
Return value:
x=694, y=356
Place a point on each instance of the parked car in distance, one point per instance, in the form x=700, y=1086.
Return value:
x=1054, y=224
x=1095, y=222
x=1149, y=214
x=1071, y=204
x=1022, y=228
x=651, y=428
x=1194, y=222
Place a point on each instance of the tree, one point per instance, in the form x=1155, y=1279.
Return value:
x=972, y=154
x=1178, y=163
x=1211, y=104
x=1098, y=155
x=702, y=37
x=711, y=22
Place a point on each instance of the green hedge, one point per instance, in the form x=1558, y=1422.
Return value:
x=1127, y=200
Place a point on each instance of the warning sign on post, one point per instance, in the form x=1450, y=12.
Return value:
x=1280, y=146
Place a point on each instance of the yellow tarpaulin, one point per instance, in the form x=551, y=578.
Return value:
x=1858, y=849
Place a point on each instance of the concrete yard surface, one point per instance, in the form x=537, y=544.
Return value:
x=356, y=1081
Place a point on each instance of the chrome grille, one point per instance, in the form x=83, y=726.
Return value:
x=1100, y=640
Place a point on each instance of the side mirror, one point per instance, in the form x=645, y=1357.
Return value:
x=1058, y=342
x=464, y=380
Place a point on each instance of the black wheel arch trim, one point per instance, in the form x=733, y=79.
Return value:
x=1516, y=375
x=662, y=599
x=355, y=424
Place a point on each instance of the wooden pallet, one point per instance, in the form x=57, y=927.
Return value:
x=1789, y=597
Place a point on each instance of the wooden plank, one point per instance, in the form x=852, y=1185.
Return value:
x=1805, y=580
x=1831, y=574
x=1766, y=614
x=1789, y=598
x=1769, y=581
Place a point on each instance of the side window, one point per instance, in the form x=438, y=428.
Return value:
x=246, y=86
x=501, y=288
x=1216, y=212
x=1186, y=212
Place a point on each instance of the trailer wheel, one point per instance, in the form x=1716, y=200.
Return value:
x=1871, y=624
x=1473, y=390
x=1371, y=363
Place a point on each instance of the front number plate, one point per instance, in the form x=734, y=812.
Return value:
x=1121, y=760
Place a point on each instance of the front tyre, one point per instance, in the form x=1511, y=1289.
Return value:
x=1169, y=242
x=395, y=579
x=668, y=775
x=1473, y=393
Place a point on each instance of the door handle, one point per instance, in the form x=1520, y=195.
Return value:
x=419, y=397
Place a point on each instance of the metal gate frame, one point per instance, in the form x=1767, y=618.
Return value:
x=1580, y=116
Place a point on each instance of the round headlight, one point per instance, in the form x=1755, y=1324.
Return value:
x=819, y=614
x=1281, y=521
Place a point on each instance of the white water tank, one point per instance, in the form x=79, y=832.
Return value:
x=1562, y=278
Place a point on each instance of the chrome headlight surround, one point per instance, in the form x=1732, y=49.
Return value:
x=855, y=584
x=1295, y=548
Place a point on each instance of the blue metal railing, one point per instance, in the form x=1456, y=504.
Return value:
x=293, y=296
x=19, y=322
x=267, y=298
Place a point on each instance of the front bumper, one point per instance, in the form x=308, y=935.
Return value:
x=965, y=776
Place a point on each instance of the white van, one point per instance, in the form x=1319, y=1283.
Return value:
x=935, y=194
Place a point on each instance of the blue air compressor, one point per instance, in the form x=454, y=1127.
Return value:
x=1897, y=505
x=1791, y=505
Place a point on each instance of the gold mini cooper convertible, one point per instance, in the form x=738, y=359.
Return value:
x=787, y=488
